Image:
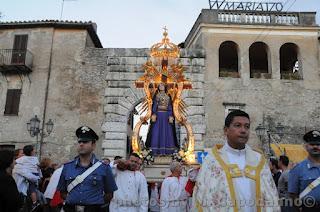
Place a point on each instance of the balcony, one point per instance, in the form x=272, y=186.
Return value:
x=253, y=18
x=259, y=17
x=15, y=61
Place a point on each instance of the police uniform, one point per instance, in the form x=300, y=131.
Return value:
x=305, y=173
x=90, y=194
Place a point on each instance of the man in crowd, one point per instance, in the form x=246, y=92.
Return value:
x=86, y=183
x=173, y=196
x=235, y=177
x=115, y=161
x=106, y=160
x=304, y=178
x=132, y=193
x=275, y=171
x=283, y=183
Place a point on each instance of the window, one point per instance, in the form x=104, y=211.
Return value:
x=19, y=49
x=229, y=107
x=228, y=59
x=12, y=102
x=258, y=55
x=290, y=66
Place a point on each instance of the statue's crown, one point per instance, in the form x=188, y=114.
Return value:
x=165, y=48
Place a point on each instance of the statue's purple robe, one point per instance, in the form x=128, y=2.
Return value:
x=162, y=136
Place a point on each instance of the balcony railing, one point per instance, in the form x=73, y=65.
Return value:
x=264, y=18
x=259, y=18
x=15, y=61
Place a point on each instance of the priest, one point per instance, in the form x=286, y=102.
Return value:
x=132, y=193
x=235, y=177
x=173, y=196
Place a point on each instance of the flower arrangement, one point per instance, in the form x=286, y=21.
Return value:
x=181, y=155
x=146, y=155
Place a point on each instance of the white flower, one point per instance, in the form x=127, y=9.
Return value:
x=144, y=152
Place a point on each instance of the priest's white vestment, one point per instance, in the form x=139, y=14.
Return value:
x=132, y=193
x=173, y=196
x=233, y=180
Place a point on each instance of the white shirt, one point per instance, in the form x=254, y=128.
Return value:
x=23, y=172
x=173, y=196
x=29, y=163
x=132, y=193
x=242, y=184
x=154, y=199
x=53, y=183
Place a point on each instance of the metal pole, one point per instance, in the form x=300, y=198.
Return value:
x=269, y=141
x=38, y=146
x=61, y=10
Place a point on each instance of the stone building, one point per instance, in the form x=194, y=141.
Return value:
x=40, y=65
x=65, y=75
x=264, y=63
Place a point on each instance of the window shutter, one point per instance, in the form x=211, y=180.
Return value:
x=19, y=48
x=12, y=102
x=20, y=42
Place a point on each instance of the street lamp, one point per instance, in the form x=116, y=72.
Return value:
x=33, y=126
x=261, y=130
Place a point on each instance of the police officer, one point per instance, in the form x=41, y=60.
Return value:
x=304, y=178
x=86, y=184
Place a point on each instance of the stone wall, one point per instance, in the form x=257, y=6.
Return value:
x=293, y=103
x=122, y=68
x=74, y=94
x=13, y=129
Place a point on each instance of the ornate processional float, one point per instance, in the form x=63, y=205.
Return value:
x=164, y=68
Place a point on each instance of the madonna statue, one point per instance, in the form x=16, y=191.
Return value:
x=161, y=136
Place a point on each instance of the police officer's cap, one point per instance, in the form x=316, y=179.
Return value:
x=312, y=137
x=86, y=134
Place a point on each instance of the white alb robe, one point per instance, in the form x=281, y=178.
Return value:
x=154, y=199
x=132, y=193
x=229, y=177
x=242, y=184
x=173, y=196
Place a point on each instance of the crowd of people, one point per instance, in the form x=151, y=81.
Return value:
x=234, y=177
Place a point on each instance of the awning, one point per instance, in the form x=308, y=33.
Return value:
x=295, y=152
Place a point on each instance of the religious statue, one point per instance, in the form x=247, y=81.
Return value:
x=161, y=136
x=163, y=83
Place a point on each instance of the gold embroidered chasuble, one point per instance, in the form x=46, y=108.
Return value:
x=215, y=189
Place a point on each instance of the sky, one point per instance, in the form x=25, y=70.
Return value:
x=128, y=23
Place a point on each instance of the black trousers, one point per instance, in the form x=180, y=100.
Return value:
x=88, y=208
